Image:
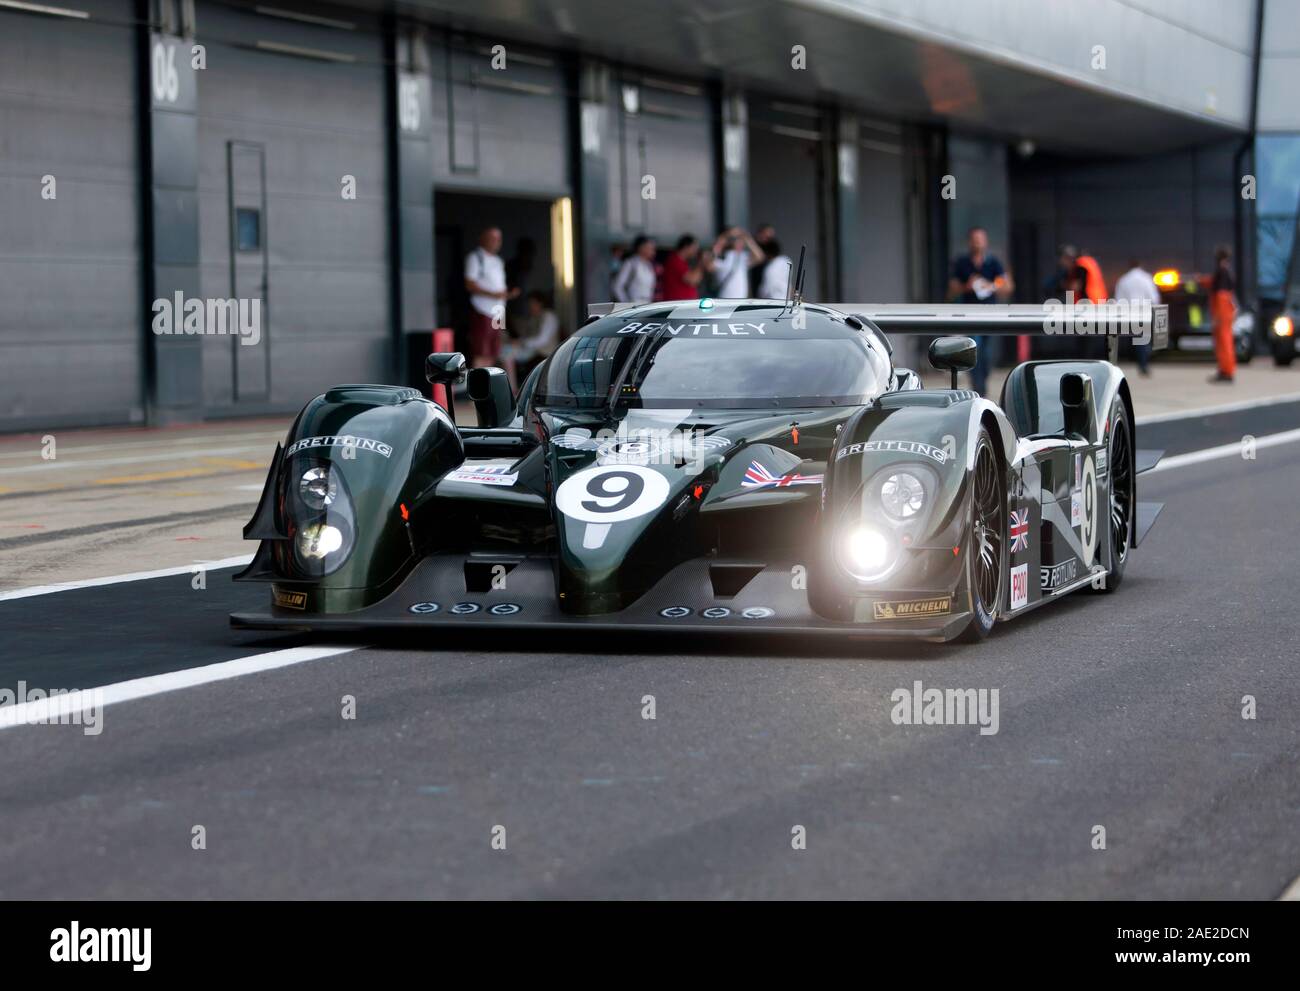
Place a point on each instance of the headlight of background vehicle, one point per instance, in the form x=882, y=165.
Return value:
x=1283, y=327
x=318, y=487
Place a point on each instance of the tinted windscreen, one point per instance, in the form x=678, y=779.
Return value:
x=725, y=364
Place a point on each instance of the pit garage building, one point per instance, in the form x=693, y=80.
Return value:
x=335, y=163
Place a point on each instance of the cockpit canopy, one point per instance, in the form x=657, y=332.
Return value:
x=725, y=355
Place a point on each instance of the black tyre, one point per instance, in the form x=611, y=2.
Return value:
x=987, y=547
x=1283, y=360
x=1245, y=350
x=1121, y=496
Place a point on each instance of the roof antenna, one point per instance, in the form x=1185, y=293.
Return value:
x=794, y=281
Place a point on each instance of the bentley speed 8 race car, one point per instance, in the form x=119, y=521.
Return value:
x=709, y=465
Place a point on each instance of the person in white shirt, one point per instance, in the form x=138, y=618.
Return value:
x=1136, y=285
x=635, y=281
x=540, y=334
x=734, y=253
x=776, y=273
x=485, y=281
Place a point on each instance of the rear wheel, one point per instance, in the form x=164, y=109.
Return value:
x=985, y=563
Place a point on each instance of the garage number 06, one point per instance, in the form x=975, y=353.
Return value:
x=166, y=80
x=612, y=493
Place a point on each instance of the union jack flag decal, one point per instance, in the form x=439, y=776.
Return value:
x=757, y=476
x=1019, y=530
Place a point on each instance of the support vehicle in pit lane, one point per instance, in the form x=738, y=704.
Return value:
x=738, y=466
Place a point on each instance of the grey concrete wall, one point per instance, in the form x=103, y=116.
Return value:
x=503, y=130
x=70, y=267
x=882, y=234
x=328, y=314
x=671, y=137
x=1279, y=73
x=785, y=147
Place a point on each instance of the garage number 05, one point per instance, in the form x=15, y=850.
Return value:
x=611, y=493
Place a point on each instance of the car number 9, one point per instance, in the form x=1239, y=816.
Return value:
x=611, y=493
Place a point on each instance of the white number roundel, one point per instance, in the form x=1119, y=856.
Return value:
x=1089, y=531
x=611, y=493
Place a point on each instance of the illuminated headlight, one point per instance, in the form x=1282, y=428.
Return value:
x=865, y=553
x=1283, y=327
x=902, y=495
x=318, y=540
x=318, y=487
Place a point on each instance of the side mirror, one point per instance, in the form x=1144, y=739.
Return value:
x=1076, y=404
x=490, y=390
x=955, y=354
x=445, y=368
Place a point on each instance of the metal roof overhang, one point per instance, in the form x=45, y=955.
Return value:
x=852, y=61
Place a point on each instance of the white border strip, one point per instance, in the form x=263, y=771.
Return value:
x=44, y=710
x=33, y=452
x=1187, y=414
x=135, y=576
x=1222, y=451
x=139, y=459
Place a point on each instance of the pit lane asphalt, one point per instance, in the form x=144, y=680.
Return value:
x=1122, y=711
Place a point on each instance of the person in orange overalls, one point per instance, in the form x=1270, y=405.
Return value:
x=1094, y=286
x=1223, y=310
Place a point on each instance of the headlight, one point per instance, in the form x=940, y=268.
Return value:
x=1283, y=327
x=318, y=487
x=865, y=553
x=902, y=495
x=318, y=540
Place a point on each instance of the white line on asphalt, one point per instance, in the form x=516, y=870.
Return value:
x=1187, y=414
x=60, y=707
x=1222, y=451
x=140, y=459
x=153, y=443
x=134, y=576
x=1292, y=893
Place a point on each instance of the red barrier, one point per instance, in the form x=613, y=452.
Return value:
x=444, y=339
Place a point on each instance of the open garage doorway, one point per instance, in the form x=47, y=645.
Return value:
x=537, y=249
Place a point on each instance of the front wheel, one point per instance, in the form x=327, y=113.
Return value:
x=986, y=557
x=1121, y=495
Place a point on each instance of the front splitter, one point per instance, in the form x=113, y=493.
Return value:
x=434, y=596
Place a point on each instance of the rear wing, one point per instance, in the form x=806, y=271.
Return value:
x=1146, y=323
